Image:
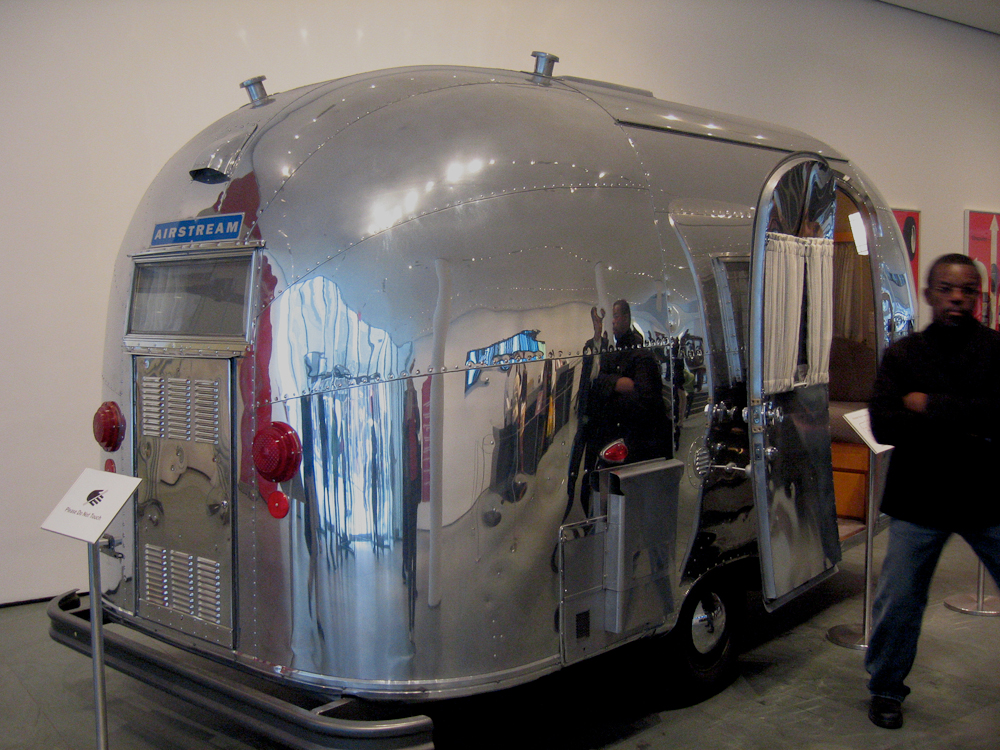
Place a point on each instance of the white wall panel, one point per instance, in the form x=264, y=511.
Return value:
x=97, y=95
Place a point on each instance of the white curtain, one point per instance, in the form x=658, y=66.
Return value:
x=853, y=308
x=819, y=277
x=791, y=263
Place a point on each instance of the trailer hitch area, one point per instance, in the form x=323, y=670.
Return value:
x=302, y=721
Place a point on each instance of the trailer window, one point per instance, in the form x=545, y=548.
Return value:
x=204, y=297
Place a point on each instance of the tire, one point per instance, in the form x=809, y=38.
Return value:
x=704, y=637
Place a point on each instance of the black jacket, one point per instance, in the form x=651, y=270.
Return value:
x=639, y=417
x=943, y=470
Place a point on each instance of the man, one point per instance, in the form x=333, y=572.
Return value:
x=937, y=399
x=623, y=400
x=626, y=396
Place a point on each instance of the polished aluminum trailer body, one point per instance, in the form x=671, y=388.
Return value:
x=401, y=267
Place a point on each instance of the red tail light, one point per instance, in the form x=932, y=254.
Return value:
x=277, y=452
x=109, y=426
x=277, y=504
x=615, y=453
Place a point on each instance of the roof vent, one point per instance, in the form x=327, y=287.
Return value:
x=544, y=63
x=255, y=90
x=217, y=162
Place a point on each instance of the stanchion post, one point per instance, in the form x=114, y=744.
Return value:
x=870, y=528
x=980, y=604
x=854, y=636
x=97, y=646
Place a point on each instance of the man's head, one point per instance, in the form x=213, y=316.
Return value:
x=621, y=317
x=953, y=286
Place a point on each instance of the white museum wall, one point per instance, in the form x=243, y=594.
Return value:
x=97, y=95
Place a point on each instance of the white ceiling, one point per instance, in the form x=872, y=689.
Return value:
x=980, y=14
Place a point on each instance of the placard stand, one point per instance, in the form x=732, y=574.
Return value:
x=84, y=513
x=978, y=604
x=857, y=636
x=97, y=645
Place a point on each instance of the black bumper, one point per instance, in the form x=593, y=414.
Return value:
x=252, y=707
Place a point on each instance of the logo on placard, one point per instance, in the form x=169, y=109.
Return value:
x=95, y=497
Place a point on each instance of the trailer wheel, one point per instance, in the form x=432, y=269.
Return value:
x=705, y=636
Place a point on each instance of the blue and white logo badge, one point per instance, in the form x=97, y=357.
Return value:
x=202, y=229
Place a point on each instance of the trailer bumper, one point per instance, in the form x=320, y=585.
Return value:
x=248, y=706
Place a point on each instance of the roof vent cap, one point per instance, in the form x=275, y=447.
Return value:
x=255, y=90
x=544, y=63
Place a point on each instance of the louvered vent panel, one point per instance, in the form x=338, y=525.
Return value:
x=205, y=411
x=152, y=407
x=184, y=583
x=155, y=567
x=209, y=596
x=181, y=582
x=178, y=412
x=178, y=409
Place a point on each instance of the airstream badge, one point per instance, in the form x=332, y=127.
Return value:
x=214, y=228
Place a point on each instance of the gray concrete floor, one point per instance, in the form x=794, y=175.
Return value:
x=795, y=689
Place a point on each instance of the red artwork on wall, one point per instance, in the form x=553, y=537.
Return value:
x=981, y=229
x=909, y=225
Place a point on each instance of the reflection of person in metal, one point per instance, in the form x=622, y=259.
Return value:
x=937, y=399
x=623, y=400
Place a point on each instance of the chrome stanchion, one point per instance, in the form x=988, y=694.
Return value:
x=857, y=636
x=978, y=603
x=97, y=646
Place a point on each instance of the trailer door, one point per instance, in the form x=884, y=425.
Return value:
x=790, y=333
x=188, y=318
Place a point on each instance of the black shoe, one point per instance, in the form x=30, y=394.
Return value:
x=886, y=712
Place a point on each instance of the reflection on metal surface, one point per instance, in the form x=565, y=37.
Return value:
x=524, y=345
x=183, y=513
x=791, y=333
x=708, y=625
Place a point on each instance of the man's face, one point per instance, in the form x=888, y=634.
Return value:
x=619, y=321
x=952, y=293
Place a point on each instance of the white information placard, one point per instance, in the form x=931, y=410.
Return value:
x=860, y=421
x=90, y=505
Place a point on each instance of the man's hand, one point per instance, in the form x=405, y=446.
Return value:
x=598, y=321
x=916, y=402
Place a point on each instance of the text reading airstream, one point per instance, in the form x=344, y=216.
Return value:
x=440, y=379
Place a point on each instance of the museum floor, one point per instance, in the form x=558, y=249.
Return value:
x=795, y=690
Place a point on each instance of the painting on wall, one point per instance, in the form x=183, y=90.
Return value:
x=981, y=228
x=909, y=225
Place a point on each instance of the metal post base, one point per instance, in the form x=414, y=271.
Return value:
x=848, y=636
x=970, y=604
x=978, y=603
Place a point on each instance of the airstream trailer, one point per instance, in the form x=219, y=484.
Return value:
x=369, y=339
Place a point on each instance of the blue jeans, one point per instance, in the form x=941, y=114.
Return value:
x=910, y=560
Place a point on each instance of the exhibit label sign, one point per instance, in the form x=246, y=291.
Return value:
x=90, y=505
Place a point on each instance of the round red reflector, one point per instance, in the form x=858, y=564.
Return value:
x=277, y=503
x=615, y=453
x=109, y=466
x=109, y=426
x=277, y=452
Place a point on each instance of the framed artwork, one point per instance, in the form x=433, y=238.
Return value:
x=981, y=229
x=909, y=225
